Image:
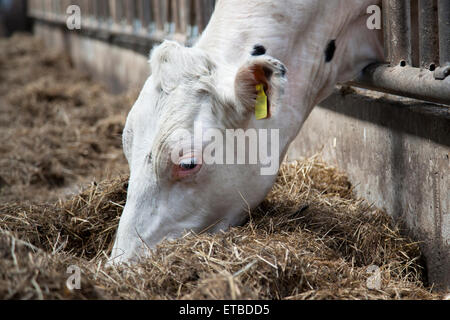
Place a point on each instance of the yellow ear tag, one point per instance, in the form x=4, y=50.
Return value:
x=261, y=103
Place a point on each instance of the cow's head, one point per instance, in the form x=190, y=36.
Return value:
x=172, y=188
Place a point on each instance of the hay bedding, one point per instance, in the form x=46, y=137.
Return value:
x=57, y=126
x=310, y=239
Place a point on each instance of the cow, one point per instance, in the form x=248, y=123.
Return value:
x=283, y=57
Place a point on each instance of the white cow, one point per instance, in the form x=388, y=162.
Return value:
x=246, y=44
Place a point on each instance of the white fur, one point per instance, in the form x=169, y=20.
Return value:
x=200, y=84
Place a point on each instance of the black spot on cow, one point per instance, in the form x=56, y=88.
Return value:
x=283, y=70
x=149, y=158
x=258, y=50
x=330, y=50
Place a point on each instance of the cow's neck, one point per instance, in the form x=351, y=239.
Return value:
x=297, y=33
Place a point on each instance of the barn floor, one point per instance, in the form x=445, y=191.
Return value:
x=63, y=185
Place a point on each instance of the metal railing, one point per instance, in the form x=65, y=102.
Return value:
x=147, y=21
x=416, y=36
x=417, y=51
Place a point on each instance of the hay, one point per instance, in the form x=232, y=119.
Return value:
x=311, y=238
x=84, y=225
x=30, y=273
x=57, y=126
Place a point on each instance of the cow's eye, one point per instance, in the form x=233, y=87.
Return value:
x=188, y=164
x=186, y=167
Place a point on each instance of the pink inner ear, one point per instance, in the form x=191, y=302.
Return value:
x=246, y=81
x=260, y=77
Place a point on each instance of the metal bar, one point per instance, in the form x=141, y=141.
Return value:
x=95, y=9
x=183, y=12
x=400, y=27
x=415, y=34
x=428, y=31
x=199, y=9
x=157, y=16
x=112, y=10
x=148, y=15
x=192, y=23
x=166, y=15
x=54, y=9
x=46, y=8
x=90, y=10
x=96, y=13
x=386, y=31
x=189, y=17
x=209, y=5
x=176, y=19
x=68, y=3
x=129, y=12
x=444, y=32
x=99, y=10
x=118, y=12
x=58, y=11
x=142, y=15
x=108, y=11
x=105, y=11
x=405, y=81
x=57, y=8
x=30, y=7
x=85, y=9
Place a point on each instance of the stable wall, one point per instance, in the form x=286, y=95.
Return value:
x=396, y=154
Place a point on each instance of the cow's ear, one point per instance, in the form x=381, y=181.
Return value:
x=172, y=63
x=260, y=76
